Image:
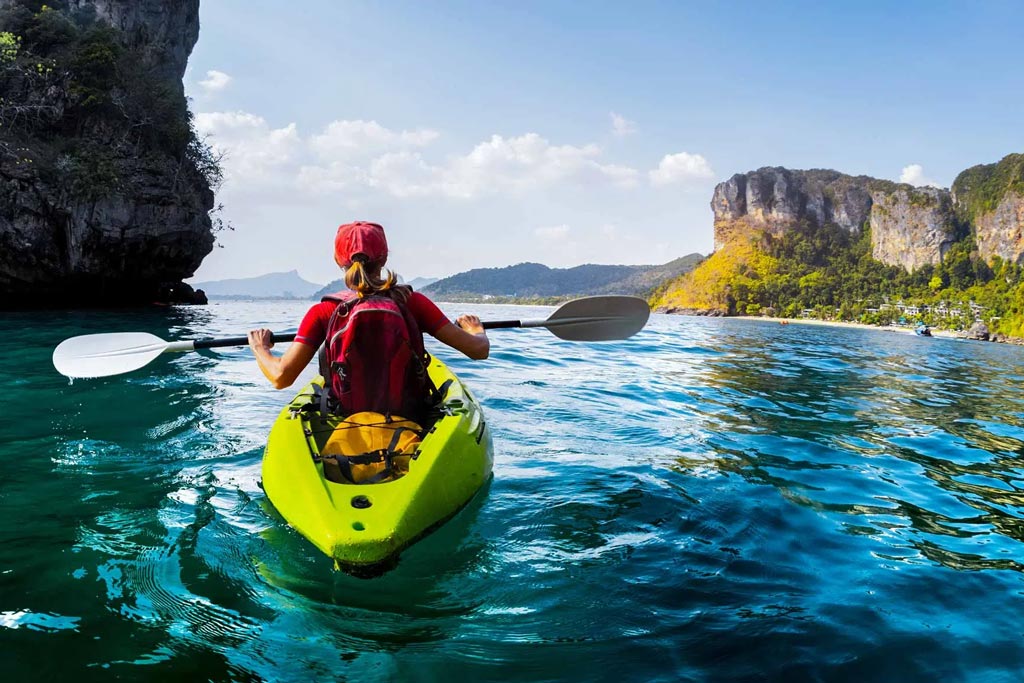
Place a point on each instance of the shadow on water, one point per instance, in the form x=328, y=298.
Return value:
x=290, y=563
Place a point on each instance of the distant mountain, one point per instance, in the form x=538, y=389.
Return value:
x=272, y=285
x=333, y=286
x=534, y=280
x=419, y=283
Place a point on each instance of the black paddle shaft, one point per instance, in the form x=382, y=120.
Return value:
x=586, y=319
x=278, y=338
x=238, y=341
x=501, y=324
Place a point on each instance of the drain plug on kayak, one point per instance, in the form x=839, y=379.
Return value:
x=361, y=502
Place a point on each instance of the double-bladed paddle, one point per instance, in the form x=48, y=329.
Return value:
x=592, y=318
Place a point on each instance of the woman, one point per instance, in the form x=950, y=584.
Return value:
x=362, y=250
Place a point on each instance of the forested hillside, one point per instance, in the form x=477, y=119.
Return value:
x=533, y=281
x=808, y=266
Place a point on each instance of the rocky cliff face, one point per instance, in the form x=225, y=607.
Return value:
x=991, y=197
x=909, y=226
x=775, y=199
x=1001, y=232
x=161, y=32
x=105, y=192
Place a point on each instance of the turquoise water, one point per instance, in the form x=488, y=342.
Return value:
x=711, y=500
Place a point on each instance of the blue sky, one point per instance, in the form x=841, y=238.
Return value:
x=486, y=134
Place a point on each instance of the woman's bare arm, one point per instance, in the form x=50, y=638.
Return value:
x=280, y=370
x=468, y=336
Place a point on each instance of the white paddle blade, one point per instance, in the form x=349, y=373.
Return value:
x=599, y=318
x=102, y=355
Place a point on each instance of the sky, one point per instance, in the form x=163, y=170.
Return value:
x=486, y=134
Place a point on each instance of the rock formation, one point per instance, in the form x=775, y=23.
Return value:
x=909, y=226
x=775, y=199
x=105, y=191
x=991, y=197
x=162, y=33
x=978, y=331
x=823, y=244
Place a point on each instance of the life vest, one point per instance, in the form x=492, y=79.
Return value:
x=373, y=359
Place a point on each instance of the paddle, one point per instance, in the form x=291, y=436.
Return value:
x=593, y=318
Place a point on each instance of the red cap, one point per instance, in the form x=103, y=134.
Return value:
x=360, y=238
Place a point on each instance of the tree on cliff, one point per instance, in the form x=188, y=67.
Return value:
x=108, y=189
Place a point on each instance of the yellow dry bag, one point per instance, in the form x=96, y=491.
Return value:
x=368, y=448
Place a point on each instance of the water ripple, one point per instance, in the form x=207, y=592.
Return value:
x=712, y=500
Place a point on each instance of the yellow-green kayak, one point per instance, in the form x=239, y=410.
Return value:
x=369, y=524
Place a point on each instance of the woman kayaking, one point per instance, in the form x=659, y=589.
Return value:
x=374, y=358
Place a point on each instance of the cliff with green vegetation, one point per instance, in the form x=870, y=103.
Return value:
x=991, y=198
x=821, y=244
x=536, y=283
x=105, y=188
x=911, y=226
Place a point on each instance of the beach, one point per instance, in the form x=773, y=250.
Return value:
x=837, y=323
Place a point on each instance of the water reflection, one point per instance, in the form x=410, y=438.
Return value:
x=871, y=427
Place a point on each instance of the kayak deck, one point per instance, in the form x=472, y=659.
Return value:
x=369, y=524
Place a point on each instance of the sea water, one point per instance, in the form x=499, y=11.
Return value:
x=710, y=500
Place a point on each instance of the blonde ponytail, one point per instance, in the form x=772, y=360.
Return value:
x=365, y=284
x=357, y=279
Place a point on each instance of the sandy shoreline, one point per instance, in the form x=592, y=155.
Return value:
x=837, y=323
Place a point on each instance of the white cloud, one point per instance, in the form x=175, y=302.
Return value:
x=406, y=174
x=252, y=148
x=914, y=175
x=348, y=139
x=334, y=178
x=510, y=166
x=622, y=126
x=364, y=156
x=681, y=168
x=517, y=164
x=552, y=233
x=215, y=81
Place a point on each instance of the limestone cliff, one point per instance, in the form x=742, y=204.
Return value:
x=909, y=226
x=826, y=245
x=161, y=33
x=105, y=191
x=991, y=198
x=774, y=199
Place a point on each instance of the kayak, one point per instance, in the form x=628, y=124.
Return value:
x=362, y=525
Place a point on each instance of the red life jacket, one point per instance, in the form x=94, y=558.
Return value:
x=373, y=358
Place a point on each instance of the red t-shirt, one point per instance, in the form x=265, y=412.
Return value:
x=313, y=328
